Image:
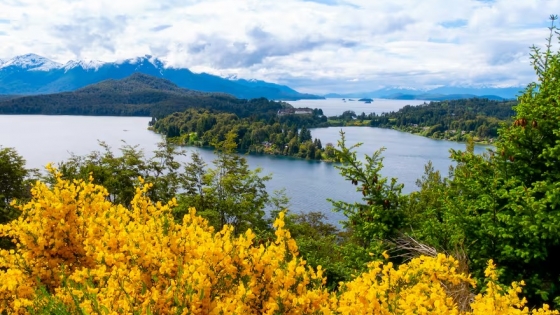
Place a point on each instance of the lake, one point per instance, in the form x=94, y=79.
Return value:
x=336, y=106
x=42, y=139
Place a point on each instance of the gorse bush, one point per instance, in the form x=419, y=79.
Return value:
x=78, y=253
x=97, y=257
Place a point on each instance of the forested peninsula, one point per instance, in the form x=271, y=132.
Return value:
x=270, y=134
x=455, y=120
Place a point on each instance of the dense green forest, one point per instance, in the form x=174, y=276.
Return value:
x=271, y=134
x=289, y=135
x=137, y=95
x=457, y=120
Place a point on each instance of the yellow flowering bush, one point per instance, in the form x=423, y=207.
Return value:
x=426, y=285
x=95, y=257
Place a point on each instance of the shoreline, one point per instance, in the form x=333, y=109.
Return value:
x=486, y=141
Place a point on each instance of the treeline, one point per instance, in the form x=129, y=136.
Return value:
x=137, y=95
x=271, y=134
x=453, y=120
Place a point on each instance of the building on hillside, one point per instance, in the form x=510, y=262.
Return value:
x=295, y=111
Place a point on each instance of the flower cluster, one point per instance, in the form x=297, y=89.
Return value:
x=426, y=285
x=95, y=257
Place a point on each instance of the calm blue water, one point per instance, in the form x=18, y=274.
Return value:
x=336, y=106
x=43, y=139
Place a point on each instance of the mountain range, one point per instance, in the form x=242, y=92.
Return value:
x=438, y=93
x=34, y=74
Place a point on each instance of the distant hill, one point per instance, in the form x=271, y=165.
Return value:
x=136, y=95
x=436, y=94
x=33, y=74
x=441, y=97
x=7, y=97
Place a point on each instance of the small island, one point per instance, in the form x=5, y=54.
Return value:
x=366, y=100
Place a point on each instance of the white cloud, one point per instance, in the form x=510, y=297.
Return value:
x=316, y=46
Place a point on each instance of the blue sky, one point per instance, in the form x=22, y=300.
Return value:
x=314, y=46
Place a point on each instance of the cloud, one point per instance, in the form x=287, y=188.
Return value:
x=160, y=27
x=312, y=45
x=101, y=33
x=332, y=2
x=326, y=2
x=257, y=46
x=454, y=23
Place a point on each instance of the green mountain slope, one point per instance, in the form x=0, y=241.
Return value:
x=136, y=95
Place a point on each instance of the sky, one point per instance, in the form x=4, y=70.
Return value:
x=314, y=46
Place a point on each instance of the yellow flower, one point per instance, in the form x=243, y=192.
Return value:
x=385, y=255
x=106, y=258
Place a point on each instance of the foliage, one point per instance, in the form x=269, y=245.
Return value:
x=504, y=204
x=270, y=134
x=119, y=173
x=426, y=215
x=15, y=180
x=454, y=120
x=320, y=244
x=380, y=216
x=90, y=256
x=230, y=193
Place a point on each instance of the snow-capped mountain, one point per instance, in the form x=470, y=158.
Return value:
x=141, y=61
x=31, y=62
x=34, y=74
x=86, y=65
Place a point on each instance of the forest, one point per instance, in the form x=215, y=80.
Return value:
x=122, y=233
x=270, y=134
x=456, y=120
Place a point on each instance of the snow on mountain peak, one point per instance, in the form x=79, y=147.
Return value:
x=31, y=62
x=235, y=77
x=141, y=60
x=84, y=64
